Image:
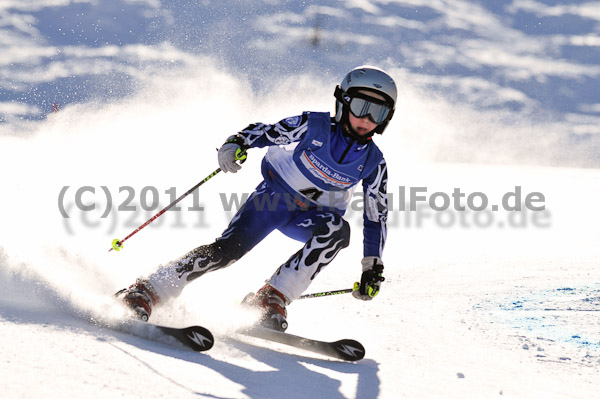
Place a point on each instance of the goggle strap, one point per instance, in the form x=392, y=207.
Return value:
x=339, y=93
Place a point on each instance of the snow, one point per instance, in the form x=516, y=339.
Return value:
x=489, y=304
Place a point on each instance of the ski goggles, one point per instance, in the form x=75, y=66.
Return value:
x=362, y=105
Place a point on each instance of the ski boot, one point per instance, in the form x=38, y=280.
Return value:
x=140, y=297
x=272, y=305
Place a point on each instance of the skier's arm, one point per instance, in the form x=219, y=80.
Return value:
x=283, y=132
x=260, y=135
x=375, y=211
x=374, y=231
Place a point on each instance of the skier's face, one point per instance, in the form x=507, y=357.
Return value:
x=363, y=126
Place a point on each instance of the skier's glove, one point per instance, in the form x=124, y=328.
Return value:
x=370, y=281
x=233, y=150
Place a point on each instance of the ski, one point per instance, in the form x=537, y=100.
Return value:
x=345, y=349
x=197, y=338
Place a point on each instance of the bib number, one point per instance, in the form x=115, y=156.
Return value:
x=312, y=193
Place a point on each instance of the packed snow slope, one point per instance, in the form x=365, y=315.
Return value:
x=489, y=303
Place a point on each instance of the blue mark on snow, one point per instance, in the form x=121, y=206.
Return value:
x=566, y=314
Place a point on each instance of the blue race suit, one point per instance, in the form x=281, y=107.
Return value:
x=310, y=172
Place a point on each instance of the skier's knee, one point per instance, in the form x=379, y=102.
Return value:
x=337, y=231
x=344, y=234
x=228, y=249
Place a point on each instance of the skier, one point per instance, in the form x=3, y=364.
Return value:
x=304, y=194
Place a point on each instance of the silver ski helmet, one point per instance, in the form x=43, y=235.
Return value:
x=369, y=78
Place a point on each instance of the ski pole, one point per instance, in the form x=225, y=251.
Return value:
x=326, y=293
x=118, y=244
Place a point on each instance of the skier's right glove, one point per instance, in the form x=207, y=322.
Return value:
x=370, y=281
x=233, y=150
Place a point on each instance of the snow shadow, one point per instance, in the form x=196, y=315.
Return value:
x=292, y=376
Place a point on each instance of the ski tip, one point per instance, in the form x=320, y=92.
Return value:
x=198, y=338
x=349, y=349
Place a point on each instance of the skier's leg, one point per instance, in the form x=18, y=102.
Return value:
x=250, y=225
x=326, y=233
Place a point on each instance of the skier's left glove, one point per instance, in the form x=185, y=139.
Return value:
x=233, y=150
x=370, y=281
